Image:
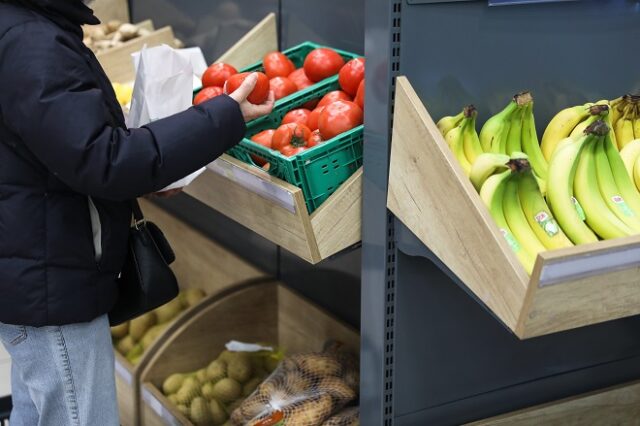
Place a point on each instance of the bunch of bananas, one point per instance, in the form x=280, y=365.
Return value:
x=461, y=136
x=511, y=192
x=626, y=119
x=577, y=189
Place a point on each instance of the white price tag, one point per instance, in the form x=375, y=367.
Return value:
x=254, y=183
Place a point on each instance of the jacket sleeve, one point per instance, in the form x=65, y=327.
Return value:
x=50, y=99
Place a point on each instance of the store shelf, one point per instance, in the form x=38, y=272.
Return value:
x=117, y=62
x=430, y=194
x=260, y=312
x=619, y=405
x=262, y=39
x=200, y=263
x=107, y=10
x=277, y=211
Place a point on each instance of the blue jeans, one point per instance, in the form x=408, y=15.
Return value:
x=62, y=375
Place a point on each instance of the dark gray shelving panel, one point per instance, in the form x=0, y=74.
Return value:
x=432, y=354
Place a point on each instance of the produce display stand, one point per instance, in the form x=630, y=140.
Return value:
x=117, y=62
x=270, y=206
x=430, y=194
x=618, y=405
x=200, y=263
x=263, y=311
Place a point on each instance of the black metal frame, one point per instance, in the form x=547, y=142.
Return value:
x=5, y=410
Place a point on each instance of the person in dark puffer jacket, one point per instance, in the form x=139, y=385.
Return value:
x=69, y=169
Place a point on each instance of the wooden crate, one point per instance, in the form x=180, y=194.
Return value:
x=117, y=62
x=430, y=194
x=262, y=311
x=619, y=405
x=200, y=263
x=107, y=10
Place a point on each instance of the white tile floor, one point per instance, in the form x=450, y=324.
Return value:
x=5, y=373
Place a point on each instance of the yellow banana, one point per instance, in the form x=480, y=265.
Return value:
x=585, y=185
x=492, y=194
x=560, y=127
x=471, y=144
x=447, y=123
x=596, y=112
x=623, y=181
x=636, y=173
x=487, y=164
x=496, y=129
x=565, y=208
x=610, y=192
x=629, y=154
x=636, y=128
x=513, y=142
x=455, y=140
x=616, y=106
x=531, y=145
x=516, y=219
x=538, y=214
x=624, y=128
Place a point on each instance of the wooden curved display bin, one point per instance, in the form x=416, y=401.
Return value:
x=430, y=194
x=200, y=263
x=270, y=206
x=258, y=312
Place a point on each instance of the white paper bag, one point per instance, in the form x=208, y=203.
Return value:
x=163, y=87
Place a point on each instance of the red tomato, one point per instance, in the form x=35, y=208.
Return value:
x=217, y=74
x=291, y=150
x=314, y=139
x=312, y=122
x=300, y=79
x=207, y=93
x=311, y=105
x=359, y=100
x=259, y=94
x=277, y=64
x=263, y=138
x=300, y=116
x=322, y=63
x=339, y=117
x=290, y=134
x=282, y=86
x=351, y=75
x=336, y=95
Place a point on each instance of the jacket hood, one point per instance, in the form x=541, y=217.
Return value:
x=74, y=12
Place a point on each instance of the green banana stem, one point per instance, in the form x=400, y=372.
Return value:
x=470, y=111
x=519, y=165
x=523, y=98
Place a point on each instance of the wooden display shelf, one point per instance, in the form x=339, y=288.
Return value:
x=108, y=10
x=117, y=62
x=276, y=209
x=200, y=263
x=258, y=312
x=618, y=405
x=430, y=194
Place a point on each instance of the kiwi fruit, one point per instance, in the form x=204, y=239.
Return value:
x=227, y=390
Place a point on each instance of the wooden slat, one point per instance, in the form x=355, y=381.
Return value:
x=618, y=405
x=430, y=194
x=107, y=10
x=262, y=39
x=337, y=222
x=117, y=62
x=271, y=220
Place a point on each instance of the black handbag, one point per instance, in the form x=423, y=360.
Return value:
x=146, y=281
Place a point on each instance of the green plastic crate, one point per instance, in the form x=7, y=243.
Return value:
x=318, y=171
x=297, y=54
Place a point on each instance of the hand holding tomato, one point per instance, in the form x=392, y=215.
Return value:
x=260, y=90
x=207, y=93
x=242, y=90
x=339, y=117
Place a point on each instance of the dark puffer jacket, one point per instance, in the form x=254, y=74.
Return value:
x=64, y=151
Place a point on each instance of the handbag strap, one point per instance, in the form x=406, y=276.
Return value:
x=138, y=217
